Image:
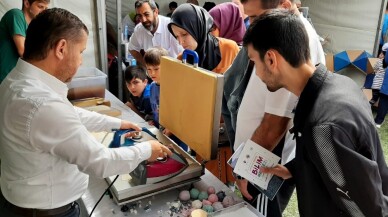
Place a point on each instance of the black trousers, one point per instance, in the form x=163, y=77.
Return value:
x=382, y=109
x=7, y=209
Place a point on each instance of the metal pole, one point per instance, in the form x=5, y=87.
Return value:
x=119, y=56
x=101, y=27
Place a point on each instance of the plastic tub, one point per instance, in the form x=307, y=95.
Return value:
x=87, y=82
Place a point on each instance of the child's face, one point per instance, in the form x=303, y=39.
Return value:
x=136, y=86
x=154, y=72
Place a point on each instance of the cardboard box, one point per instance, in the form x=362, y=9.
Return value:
x=87, y=82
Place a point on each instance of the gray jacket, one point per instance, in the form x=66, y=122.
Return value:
x=235, y=83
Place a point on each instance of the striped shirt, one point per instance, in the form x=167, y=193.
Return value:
x=379, y=77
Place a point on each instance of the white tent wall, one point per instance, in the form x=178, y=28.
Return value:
x=84, y=9
x=347, y=24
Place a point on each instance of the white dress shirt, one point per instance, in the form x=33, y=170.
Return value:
x=46, y=149
x=143, y=39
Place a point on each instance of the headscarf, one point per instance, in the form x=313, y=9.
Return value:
x=229, y=21
x=198, y=23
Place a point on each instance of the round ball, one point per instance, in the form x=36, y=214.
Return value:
x=194, y=193
x=211, y=190
x=217, y=206
x=221, y=195
x=228, y=201
x=184, y=195
x=208, y=208
x=213, y=198
x=203, y=195
x=196, y=204
x=206, y=202
x=199, y=213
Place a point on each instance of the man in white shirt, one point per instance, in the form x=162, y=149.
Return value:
x=264, y=116
x=152, y=33
x=46, y=149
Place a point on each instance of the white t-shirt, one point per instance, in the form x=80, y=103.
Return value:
x=316, y=51
x=143, y=39
x=258, y=100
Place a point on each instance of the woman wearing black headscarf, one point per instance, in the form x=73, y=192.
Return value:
x=191, y=26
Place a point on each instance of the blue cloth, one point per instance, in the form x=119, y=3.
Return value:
x=154, y=100
x=143, y=103
x=246, y=22
x=384, y=29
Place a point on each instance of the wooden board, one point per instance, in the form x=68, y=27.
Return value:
x=329, y=62
x=190, y=105
x=97, y=104
x=105, y=110
x=93, y=101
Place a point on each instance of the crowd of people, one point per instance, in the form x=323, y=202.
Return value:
x=277, y=93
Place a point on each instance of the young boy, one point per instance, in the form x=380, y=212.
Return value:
x=152, y=60
x=379, y=71
x=140, y=91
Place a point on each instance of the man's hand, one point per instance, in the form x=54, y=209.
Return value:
x=151, y=123
x=167, y=132
x=278, y=170
x=129, y=125
x=242, y=185
x=158, y=150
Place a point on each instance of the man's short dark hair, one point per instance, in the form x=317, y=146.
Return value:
x=209, y=5
x=32, y=1
x=153, y=55
x=172, y=5
x=48, y=28
x=133, y=72
x=151, y=3
x=266, y=4
x=280, y=30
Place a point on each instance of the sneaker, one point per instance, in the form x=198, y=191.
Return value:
x=378, y=126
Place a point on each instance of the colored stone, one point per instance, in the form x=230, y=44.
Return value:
x=196, y=204
x=203, y=196
x=208, y=208
x=211, y=190
x=194, y=193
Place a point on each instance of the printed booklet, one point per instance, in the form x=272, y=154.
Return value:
x=248, y=159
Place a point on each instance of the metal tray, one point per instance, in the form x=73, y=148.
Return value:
x=240, y=209
x=124, y=190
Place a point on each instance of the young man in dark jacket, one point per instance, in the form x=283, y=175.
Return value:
x=339, y=167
